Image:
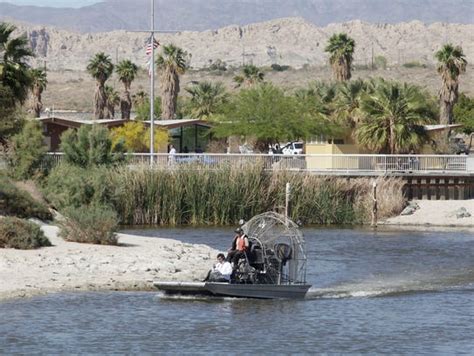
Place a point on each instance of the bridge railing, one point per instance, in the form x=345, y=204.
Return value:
x=310, y=162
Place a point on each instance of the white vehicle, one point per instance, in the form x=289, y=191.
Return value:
x=292, y=148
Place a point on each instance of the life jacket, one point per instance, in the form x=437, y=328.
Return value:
x=240, y=243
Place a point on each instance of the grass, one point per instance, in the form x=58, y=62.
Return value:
x=222, y=197
x=187, y=196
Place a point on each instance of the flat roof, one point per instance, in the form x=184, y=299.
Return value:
x=77, y=121
x=170, y=124
x=441, y=127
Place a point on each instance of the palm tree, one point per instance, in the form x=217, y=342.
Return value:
x=451, y=64
x=250, y=75
x=113, y=99
x=39, y=83
x=139, y=98
x=171, y=64
x=320, y=95
x=14, y=69
x=393, y=118
x=127, y=71
x=205, y=98
x=100, y=67
x=347, y=102
x=341, y=49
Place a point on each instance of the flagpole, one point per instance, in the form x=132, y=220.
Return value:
x=152, y=77
x=152, y=84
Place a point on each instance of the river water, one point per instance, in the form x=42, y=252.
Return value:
x=397, y=292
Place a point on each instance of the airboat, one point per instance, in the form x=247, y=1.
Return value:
x=274, y=266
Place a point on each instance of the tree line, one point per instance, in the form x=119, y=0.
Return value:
x=382, y=115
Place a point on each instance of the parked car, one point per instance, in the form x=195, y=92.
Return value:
x=293, y=148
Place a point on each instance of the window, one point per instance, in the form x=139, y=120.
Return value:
x=319, y=140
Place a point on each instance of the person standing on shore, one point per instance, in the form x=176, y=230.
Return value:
x=172, y=155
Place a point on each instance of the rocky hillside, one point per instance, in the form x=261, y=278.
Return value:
x=290, y=41
x=201, y=15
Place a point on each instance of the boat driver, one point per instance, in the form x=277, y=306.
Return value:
x=240, y=245
x=221, y=271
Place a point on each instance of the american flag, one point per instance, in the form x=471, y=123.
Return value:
x=148, y=46
x=148, y=65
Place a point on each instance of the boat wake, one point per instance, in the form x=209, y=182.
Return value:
x=394, y=287
x=192, y=298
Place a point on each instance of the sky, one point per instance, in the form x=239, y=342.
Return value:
x=54, y=3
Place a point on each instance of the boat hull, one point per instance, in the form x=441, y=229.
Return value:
x=183, y=288
x=261, y=291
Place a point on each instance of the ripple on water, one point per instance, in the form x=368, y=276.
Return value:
x=373, y=292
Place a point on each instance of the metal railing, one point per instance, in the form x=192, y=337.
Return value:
x=337, y=163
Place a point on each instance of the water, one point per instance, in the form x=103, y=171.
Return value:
x=373, y=292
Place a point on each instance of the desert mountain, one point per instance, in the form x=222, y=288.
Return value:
x=194, y=15
x=290, y=41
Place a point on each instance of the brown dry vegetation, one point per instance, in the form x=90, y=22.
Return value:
x=69, y=90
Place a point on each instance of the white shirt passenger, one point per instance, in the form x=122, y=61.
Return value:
x=225, y=268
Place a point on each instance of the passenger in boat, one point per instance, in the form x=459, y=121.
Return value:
x=240, y=245
x=221, y=271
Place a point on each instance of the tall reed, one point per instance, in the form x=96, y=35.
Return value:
x=188, y=195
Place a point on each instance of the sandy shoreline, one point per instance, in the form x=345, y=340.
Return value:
x=436, y=213
x=69, y=266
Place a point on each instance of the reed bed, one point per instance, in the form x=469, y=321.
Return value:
x=221, y=197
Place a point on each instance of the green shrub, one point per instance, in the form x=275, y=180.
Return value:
x=218, y=65
x=27, y=151
x=21, y=234
x=414, y=64
x=69, y=185
x=279, y=68
x=464, y=113
x=92, y=224
x=20, y=203
x=380, y=62
x=91, y=145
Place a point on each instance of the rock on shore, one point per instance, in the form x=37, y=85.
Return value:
x=69, y=266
